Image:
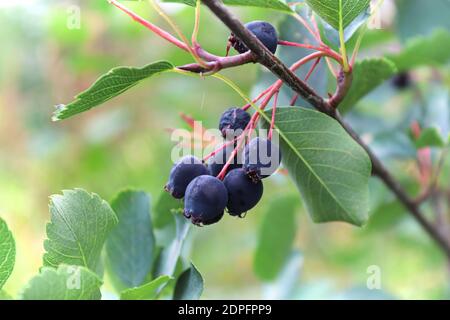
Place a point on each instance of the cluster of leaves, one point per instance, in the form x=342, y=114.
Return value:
x=88, y=237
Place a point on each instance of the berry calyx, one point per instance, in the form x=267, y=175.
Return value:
x=260, y=158
x=182, y=173
x=205, y=200
x=218, y=161
x=264, y=31
x=233, y=121
x=243, y=193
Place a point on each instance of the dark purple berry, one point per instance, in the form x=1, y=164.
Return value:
x=401, y=81
x=182, y=173
x=243, y=193
x=216, y=163
x=205, y=200
x=265, y=33
x=233, y=121
x=260, y=158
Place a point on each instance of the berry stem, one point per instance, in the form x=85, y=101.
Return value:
x=300, y=19
x=293, y=99
x=328, y=51
x=158, y=31
x=196, y=23
x=262, y=94
x=212, y=154
x=274, y=110
x=177, y=30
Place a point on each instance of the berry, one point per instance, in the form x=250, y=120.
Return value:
x=233, y=120
x=265, y=33
x=260, y=158
x=243, y=193
x=216, y=163
x=401, y=81
x=182, y=173
x=205, y=200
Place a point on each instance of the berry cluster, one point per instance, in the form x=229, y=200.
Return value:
x=225, y=180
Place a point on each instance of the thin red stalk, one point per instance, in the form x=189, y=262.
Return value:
x=294, y=99
x=307, y=26
x=274, y=110
x=262, y=94
x=312, y=68
x=160, y=32
x=327, y=51
x=212, y=154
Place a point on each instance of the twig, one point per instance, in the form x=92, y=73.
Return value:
x=266, y=58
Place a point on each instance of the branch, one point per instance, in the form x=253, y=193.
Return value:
x=266, y=58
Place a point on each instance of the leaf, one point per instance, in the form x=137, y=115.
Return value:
x=368, y=74
x=333, y=34
x=329, y=168
x=268, y=4
x=432, y=15
x=164, y=209
x=283, y=287
x=332, y=10
x=430, y=137
x=424, y=51
x=189, y=285
x=130, y=245
x=148, y=291
x=275, y=238
x=65, y=283
x=168, y=258
x=7, y=252
x=80, y=223
x=108, y=86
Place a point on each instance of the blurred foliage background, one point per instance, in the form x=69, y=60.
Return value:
x=125, y=144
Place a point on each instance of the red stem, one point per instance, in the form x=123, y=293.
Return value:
x=274, y=110
x=160, y=32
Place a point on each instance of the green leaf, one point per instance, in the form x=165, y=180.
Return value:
x=329, y=168
x=108, y=86
x=80, y=223
x=275, y=237
x=130, y=245
x=148, y=291
x=432, y=15
x=433, y=50
x=332, y=10
x=7, y=252
x=268, y=4
x=64, y=283
x=189, y=285
x=283, y=287
x=430, y=137
x=168, y=257
x=368, y=74
x=164, y=209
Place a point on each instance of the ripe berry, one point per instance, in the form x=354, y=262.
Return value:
x=243, y=193
x=205, y=200
x=401, y=81
x=233, y=121
x=182, y=173
x=265, y=33
x=216, y=163
x=260, y=158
